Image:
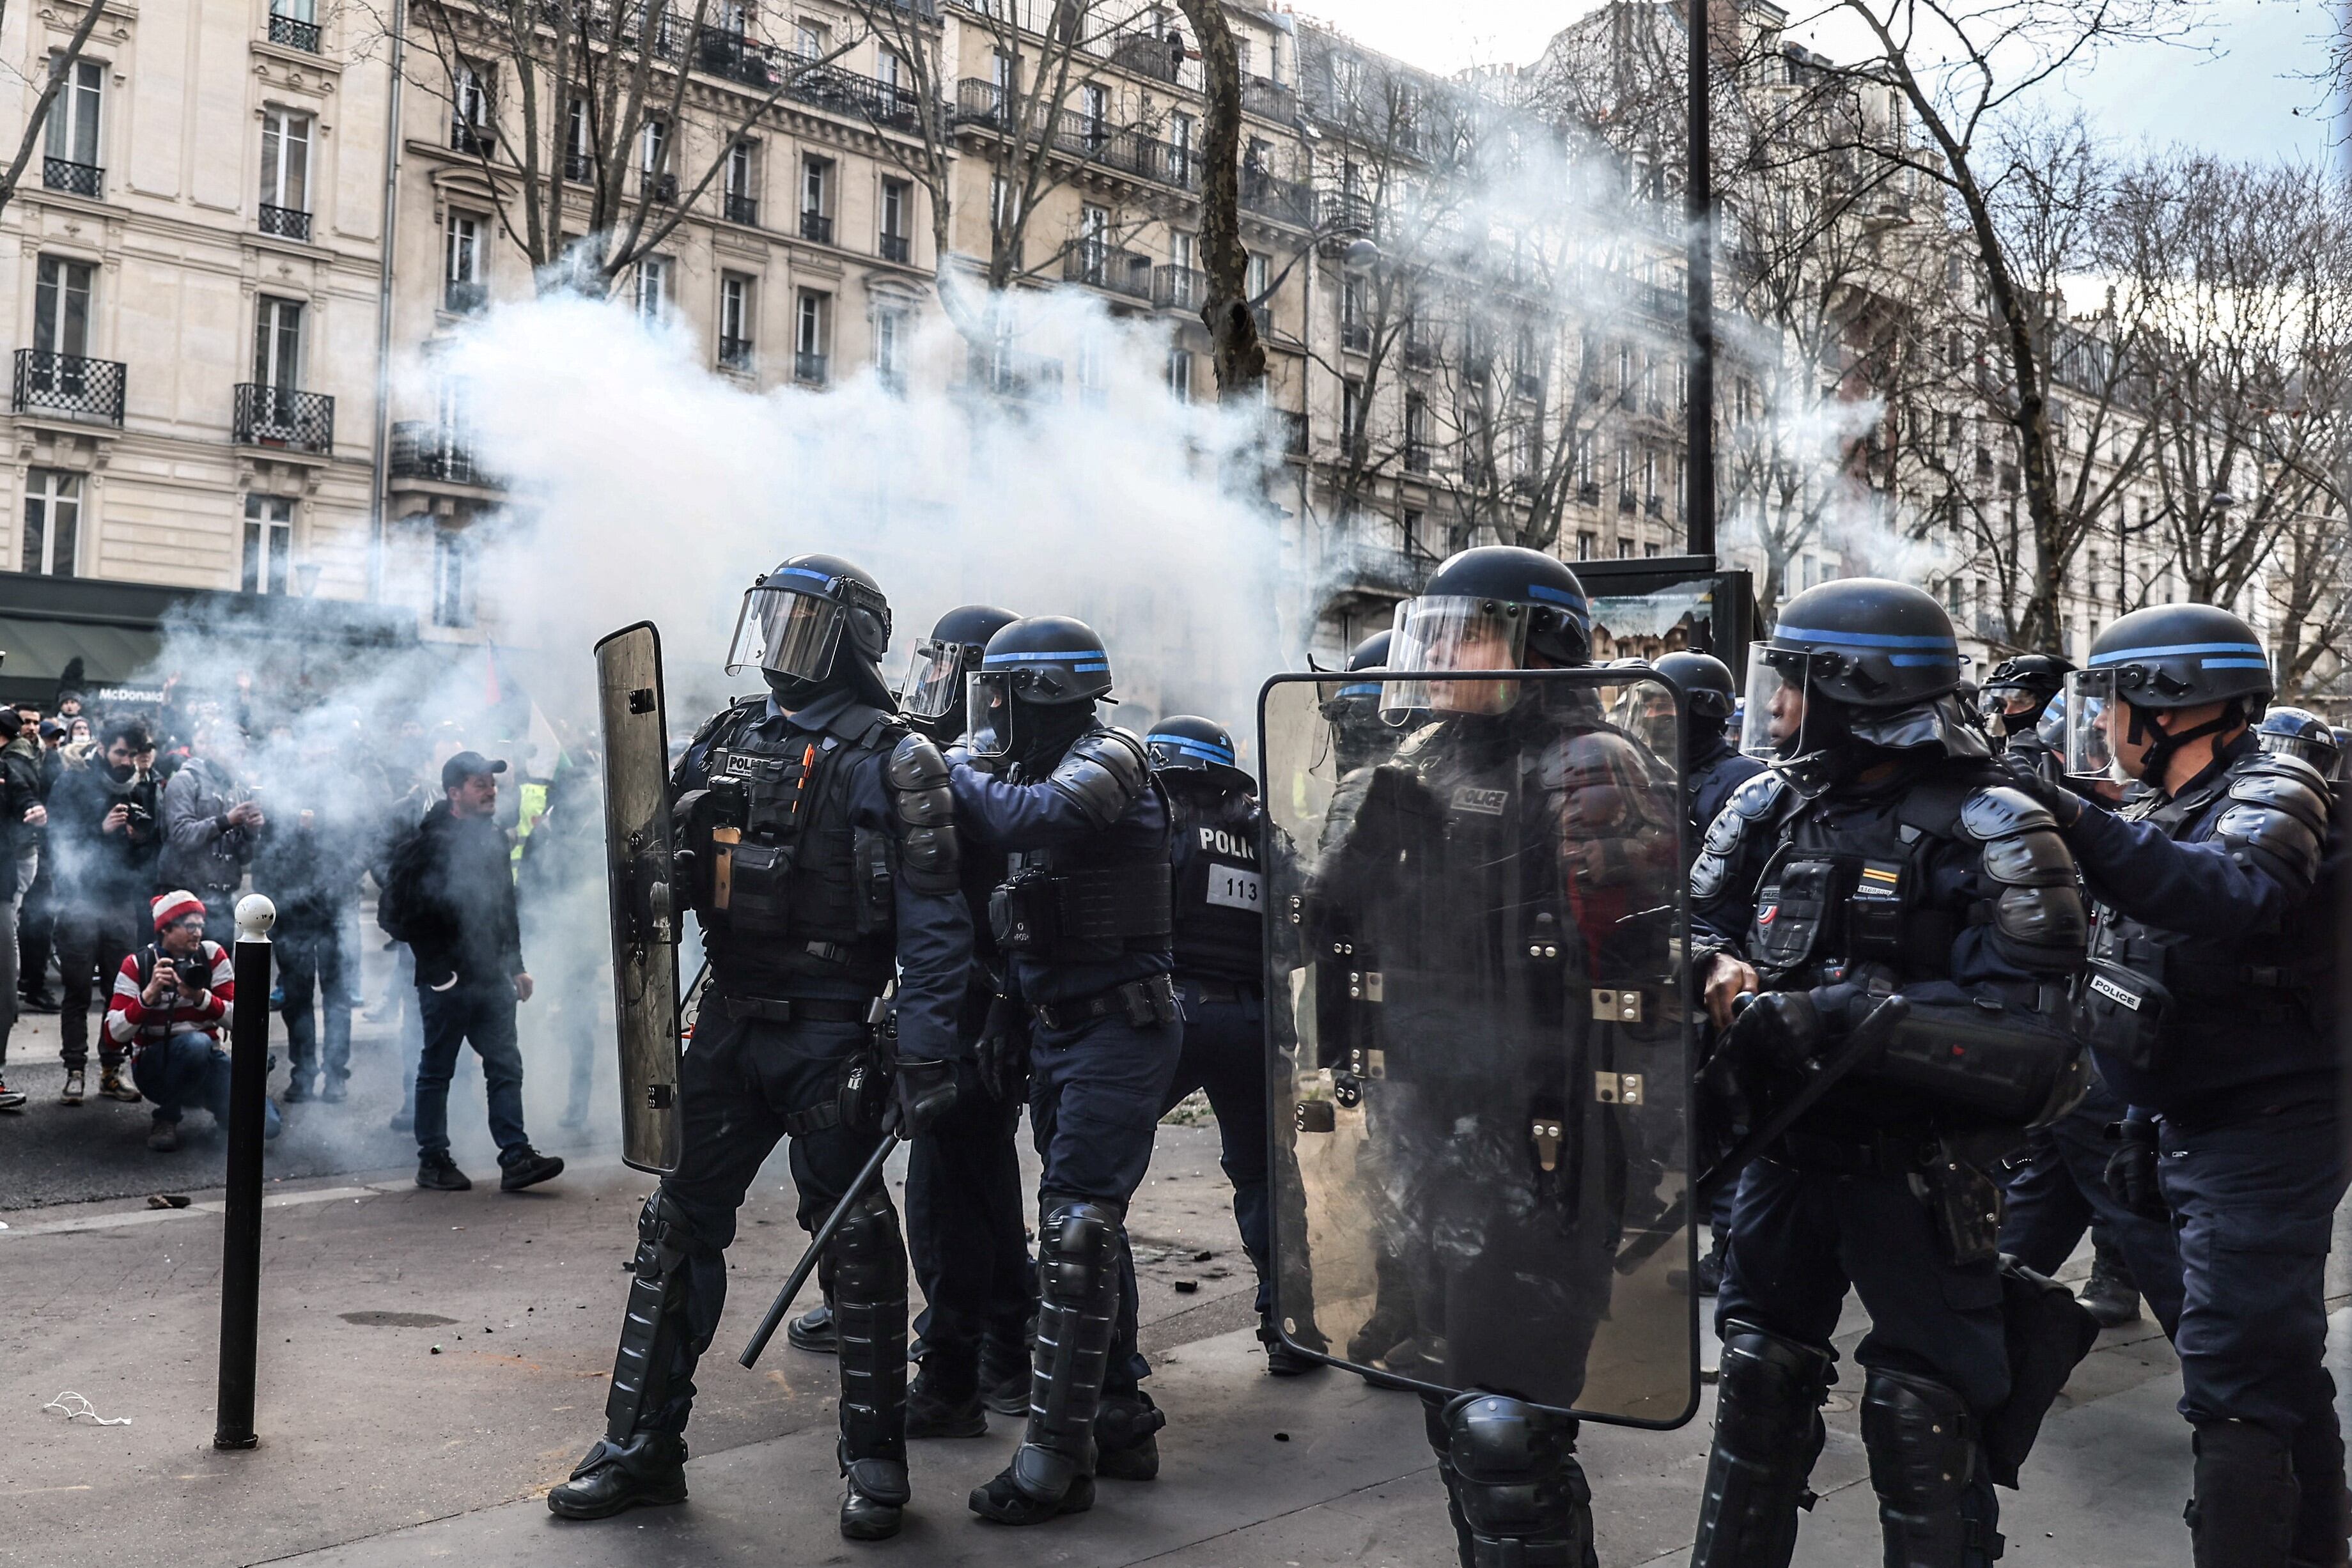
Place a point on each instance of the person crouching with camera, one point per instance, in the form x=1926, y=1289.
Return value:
x=171, y=1001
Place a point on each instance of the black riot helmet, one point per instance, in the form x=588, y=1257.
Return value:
x=933, y=696
x=1352, y=708
x=1705, y=682
x=2165, y=657
x=1036, y=687
x=1857, y=665
x=797, y=621
x=2299, y=732
x=1187, y=747
x=2039, y=677
x=1497, y=607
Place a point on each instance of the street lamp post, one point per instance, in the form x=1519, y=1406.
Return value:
x=1698, y=270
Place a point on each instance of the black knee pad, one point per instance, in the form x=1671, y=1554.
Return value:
x=1514, y=1476
x=1921, y=1438
x=2247, y=1496
x=869, y=1236
x=869, y=1322
x=1077, y=1249
x=1768, y=1400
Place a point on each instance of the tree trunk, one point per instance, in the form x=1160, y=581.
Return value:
x=1239, y=356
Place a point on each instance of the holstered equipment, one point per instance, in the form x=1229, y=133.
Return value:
x=1081, y=916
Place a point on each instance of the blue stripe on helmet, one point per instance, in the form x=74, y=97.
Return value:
x=1191, y=747
x=1913, y=661
x=2124, y=655
x=1557, y=596
x=1361, y=689
x=2235, y=663
x=1075, y=656
x=803, y=571
x=1866, y=639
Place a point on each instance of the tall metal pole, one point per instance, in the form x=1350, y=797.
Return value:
x=249, y=1106
x=1699, y=208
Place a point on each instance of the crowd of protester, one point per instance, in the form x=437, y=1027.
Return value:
x=128, y=835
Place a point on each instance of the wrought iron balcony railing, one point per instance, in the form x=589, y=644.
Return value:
x=742, y=209
x=1117, y=271
x=281, y=416
x=809, y=366
x=579, y=167
x=1269, y=195
x=74, y=179
x=735, y=353
x=294, y=32
x=1355, y=337
x=462, y=297
x=1179, y=288
x=286, y=222
x=424, y=450
x=68, y=386
x=897, y=247
x=816, y=228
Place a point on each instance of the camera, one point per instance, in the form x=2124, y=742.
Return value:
x=138, y=816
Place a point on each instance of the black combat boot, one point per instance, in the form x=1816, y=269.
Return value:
x=649, y=1470
x=1052, y=1472
x=2111, y=1294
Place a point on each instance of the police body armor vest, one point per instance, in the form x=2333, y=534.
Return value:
x=802, y=894
x=1219, y=913
x=1461, y=919
x=2267, y=990
x=1850, y=902
x=1099, y=898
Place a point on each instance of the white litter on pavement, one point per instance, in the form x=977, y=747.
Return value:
x=74, y=1405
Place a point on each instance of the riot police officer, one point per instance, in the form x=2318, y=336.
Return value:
x=1506, y=859
x=967, y=1227
x=2013, y=700
x=824, y=858
x=1884, y=854
x=2301, y=734
x=1219, y=941
x=1359, y=737
x=1084, y=916
x=1713, y=768
x=2210, y=1007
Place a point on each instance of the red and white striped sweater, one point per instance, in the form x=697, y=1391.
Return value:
x=130, y=1022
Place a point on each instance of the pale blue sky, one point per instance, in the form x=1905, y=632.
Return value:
x=2236, y=94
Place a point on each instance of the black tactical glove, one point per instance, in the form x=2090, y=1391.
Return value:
x=1003, y=1051
x=2061, y=802
x=2131, y=1169
x=921, y=1094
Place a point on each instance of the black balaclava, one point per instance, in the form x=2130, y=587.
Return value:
x=1043, y=731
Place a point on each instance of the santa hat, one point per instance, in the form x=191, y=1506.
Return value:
x=171, y=906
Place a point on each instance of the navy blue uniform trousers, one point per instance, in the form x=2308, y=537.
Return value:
x=967, y=1223
x=2061, y=1191
x=1095, y=1093
x=1225, y=1056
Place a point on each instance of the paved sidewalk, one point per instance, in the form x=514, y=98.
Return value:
x=376, y=1449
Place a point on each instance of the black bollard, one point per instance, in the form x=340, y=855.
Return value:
x=249, y=1092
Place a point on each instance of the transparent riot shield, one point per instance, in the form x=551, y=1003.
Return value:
x=644, y=921
x=1479, y=1052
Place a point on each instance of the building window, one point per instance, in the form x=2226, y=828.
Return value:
x=1180, y=375
x=462, y=290
x=1351, y=413
x=813, y=40
x=816, y=200
x=1094, y=112
x=61, y=308
x=72, y=151
x=653, y=162
x=735, y=322
x=808, y=339
x=1182, y=130
x=453, y=602
x=268, y=543
x=890, y=349
x=278, y=343
x=742, y=201
x=1624, y=549
x=52, y=522
x=898, y=196
x=653, y=288
x=469, y=107
x=890, y=78
x=286, y=173
x=579, y=144
x=1092, y=390
x=1586, y=542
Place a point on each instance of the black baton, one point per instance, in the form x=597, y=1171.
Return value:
x=783, y=1301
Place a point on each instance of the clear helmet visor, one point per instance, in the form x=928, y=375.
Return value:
x=1772, y=710
x=784, y=633
x=934, y=680
x=988, y=715
x=2087, y=722
x=1455, y=633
